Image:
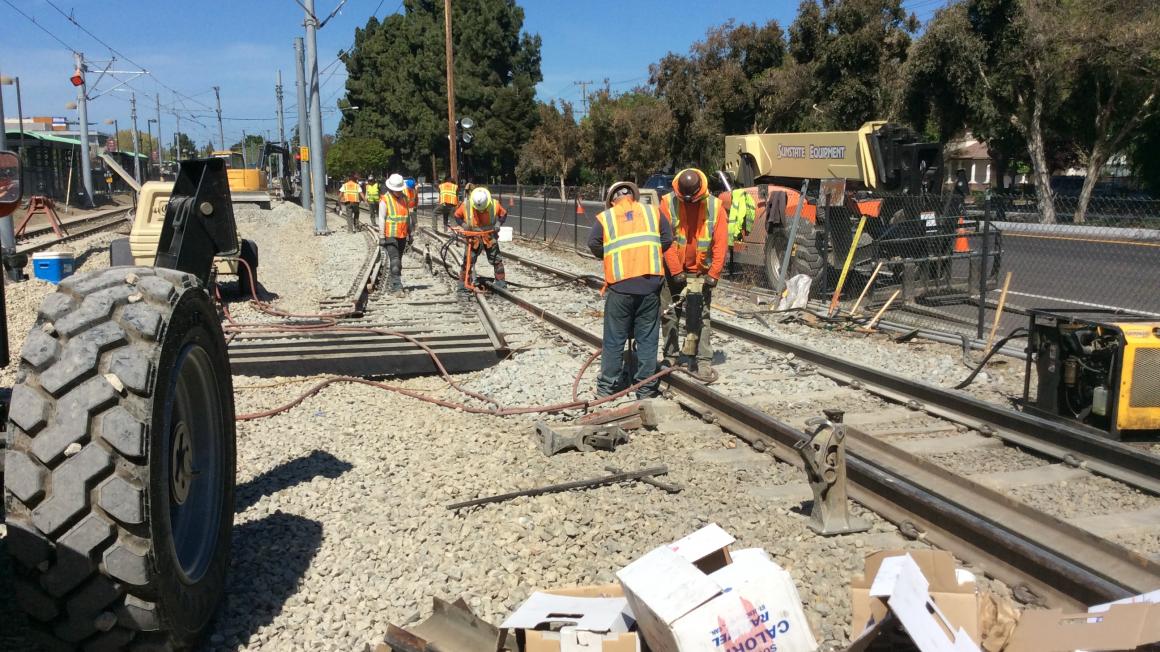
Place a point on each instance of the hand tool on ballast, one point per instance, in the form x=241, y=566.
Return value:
x=669, y=488
x=566, y=486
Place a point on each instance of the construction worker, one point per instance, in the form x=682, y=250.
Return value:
x=397, y=218
x=448, y=198
x=482, y=214
x=412, y=193
x=700, y=244
x=371, y=194
x=739, y=204
x=631, y=239
x=351, y=195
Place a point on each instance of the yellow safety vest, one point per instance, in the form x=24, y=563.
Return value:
x=448, y=192
x=372, y=193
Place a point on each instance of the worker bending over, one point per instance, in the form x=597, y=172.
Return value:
x=631, y=238
x=700, y=243
x=351, y=195
x=397, y=218
x=480, y=213
x=448, y=198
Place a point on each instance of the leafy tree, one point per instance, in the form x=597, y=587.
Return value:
x=251, y=148
x=396, y=74
x=358, y=155
x=626, y=136
x=145, y=141
x=188, y=147
x=553, y=150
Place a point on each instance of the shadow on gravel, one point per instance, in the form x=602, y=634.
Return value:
x=303, y=469
x=270, y=557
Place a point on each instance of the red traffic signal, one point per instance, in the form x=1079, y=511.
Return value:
x=77, y=78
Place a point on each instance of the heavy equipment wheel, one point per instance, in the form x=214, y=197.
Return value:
x=248, y=252
x=119, y=253
x=119, y=475
x=806, y=258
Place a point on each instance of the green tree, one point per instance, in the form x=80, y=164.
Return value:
x=625, y=136
x=188, y=147
x=553, y=150
x=396, y=75
x=357, y=155
x=146, y=141
x=251, y=149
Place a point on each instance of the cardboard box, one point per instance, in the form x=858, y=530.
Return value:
x=609, y=634
x=1121, y=625
x=952, y=589
x=694, y=595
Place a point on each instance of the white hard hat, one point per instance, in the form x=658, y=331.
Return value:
x=480, y=198
x=395, y=183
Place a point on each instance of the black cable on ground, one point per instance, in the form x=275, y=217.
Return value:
x=1018, y=332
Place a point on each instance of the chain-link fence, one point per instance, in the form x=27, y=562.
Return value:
x=935, y=262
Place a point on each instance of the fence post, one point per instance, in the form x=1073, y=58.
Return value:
x=576, y=222
x=544, y=216
x=521, y=191
x=985, y=250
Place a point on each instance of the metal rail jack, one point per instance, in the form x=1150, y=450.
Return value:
x=824, y=454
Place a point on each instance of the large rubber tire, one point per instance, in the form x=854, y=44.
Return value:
x=119, y=253
x=123, y=390
x=248, y=251
x=806, y=257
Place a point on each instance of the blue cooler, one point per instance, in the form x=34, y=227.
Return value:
x=53, y=266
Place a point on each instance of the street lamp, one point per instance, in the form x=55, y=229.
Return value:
x=7, y=81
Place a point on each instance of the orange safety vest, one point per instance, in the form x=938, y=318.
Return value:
x=632, y=241
x=672, y=206
x=480, y=220
x=448, y=192
x=412, y=196
x=350, y=191
x=395, y=217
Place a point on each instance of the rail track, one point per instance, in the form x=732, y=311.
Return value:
x=92, y=225
x=895, y=472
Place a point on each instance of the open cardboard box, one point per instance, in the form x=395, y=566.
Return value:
x=1126, y=624
x=695, y=595
x=952, y=589
x=587, y=602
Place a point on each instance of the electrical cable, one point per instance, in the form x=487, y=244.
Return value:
x=41, y=27
x=1018, y=332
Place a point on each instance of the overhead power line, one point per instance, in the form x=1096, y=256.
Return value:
x=42, y=28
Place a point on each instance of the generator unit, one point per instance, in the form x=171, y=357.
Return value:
x=1097, y=367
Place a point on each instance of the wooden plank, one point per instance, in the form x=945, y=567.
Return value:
x=1040, y=475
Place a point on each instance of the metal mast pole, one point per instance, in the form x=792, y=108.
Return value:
x=136, y=138
x=303, y=128
x=449, y=56
x=160, y=157
x=7, y=232
x=83, y=107
x=317, y=175
x=281, y=118
x=221, y=132
x=177, y=137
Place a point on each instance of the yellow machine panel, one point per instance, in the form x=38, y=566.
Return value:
x=805, y=155
x=1139, y=402
x=147, y=223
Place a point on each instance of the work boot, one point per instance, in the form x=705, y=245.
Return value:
x=669, y=361
x=499, y=284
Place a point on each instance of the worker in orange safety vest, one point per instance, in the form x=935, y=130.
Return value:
x=448, y=198
x=631, y=239
x=350, y=195
x=397, y=220
x=700, y=246
x=480, y=212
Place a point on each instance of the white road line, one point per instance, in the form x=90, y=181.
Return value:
x=1081, y=303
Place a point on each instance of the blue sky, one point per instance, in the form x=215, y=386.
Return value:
x=240, y=45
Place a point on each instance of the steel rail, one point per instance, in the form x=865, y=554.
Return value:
x=32, y=234
x=1072, y=444
x=1061, y=564
x=73, y=235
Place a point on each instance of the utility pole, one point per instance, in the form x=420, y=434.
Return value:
x=83, y=107
x=584, y=92
x=7, y=232
x=160, y=157
x=317, y=175
x=177, y=136
x=221, y=133
x=136, y=138
x=449, y=55
x=281, y=119
x=303, y=128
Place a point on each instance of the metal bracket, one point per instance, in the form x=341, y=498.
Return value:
x=584, y=439
x=824, y=454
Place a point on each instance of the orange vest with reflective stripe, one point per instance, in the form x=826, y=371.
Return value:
x=448, y=193
x=412, y=197
x=350, y=191
x=480, y=220
x=673, y=207
x=395, y=217
x=632, y=241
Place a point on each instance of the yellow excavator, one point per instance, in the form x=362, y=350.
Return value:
x=925, y=241
x=248, y=185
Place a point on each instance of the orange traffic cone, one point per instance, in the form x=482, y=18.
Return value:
x=511, y=201
x=579, y=208
x=961, y=246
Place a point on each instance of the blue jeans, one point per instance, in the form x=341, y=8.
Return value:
x=625, y=315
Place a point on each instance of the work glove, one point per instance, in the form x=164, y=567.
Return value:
x=710, y=282
x=678, y=281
